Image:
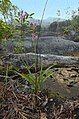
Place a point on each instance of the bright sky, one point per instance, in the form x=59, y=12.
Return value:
x=37, y=7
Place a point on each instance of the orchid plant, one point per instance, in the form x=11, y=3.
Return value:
x=37, y=78
x=42, y=75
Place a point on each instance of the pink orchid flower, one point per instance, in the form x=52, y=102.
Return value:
x=23, y=15
x=34, y=36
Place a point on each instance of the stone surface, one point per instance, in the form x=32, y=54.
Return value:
x=46, y=45
x=29, y=58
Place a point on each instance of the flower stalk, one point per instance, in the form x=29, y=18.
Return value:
x=36, y=45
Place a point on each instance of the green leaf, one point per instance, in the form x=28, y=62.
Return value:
x=29, y=78
x=32, y=14
x=17, y=20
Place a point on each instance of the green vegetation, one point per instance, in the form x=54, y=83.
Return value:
x=7, y=10
x=36, y=79
x=6, y=30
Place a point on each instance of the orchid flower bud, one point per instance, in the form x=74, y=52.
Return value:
x=34, y=36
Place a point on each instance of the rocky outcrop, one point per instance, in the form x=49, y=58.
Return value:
x=57, y=46
x=18, y=59
x=46, y=45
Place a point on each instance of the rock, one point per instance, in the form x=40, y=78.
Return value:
x=57, y=46
x=46, y=45
x=29, y=58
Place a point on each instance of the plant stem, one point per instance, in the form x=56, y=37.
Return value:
x=36, y=46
